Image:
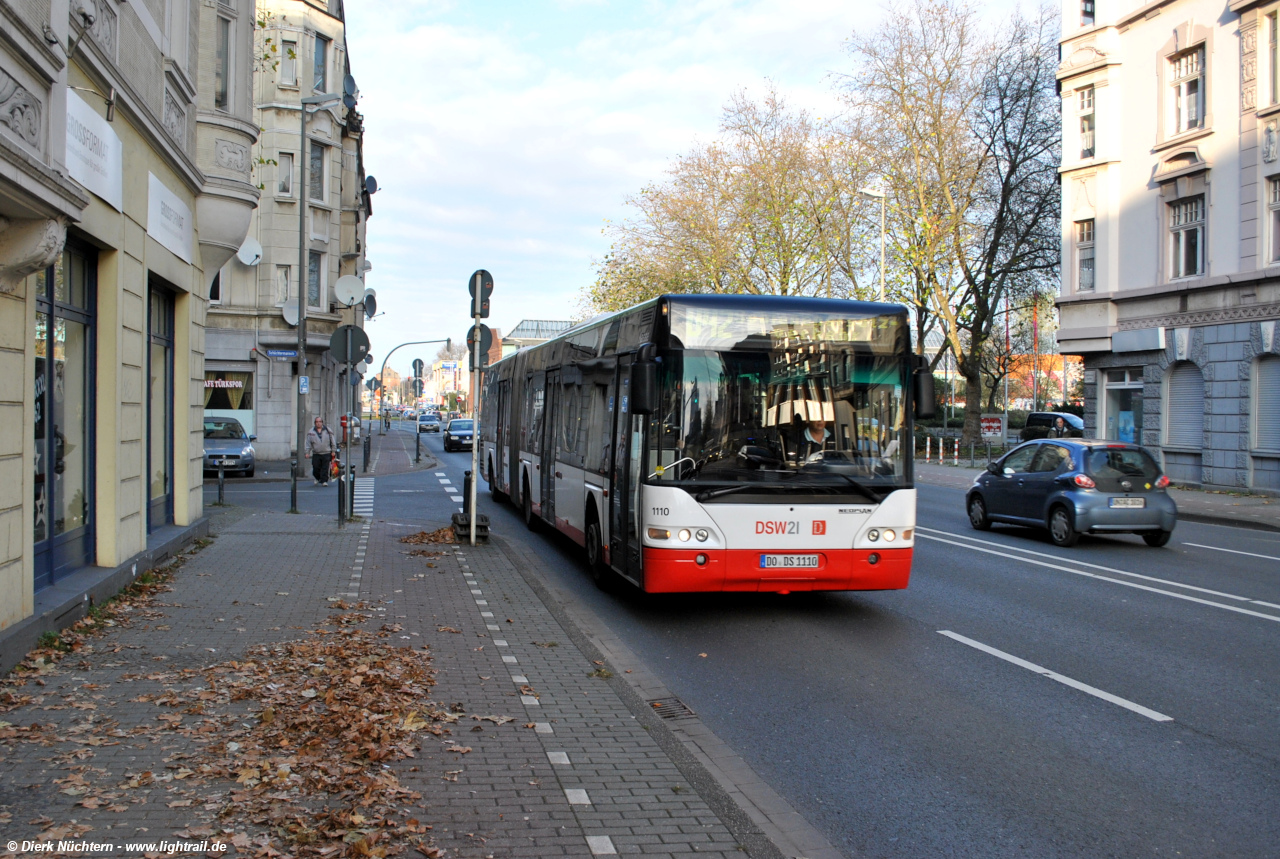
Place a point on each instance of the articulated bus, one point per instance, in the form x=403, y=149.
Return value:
x=718, y=442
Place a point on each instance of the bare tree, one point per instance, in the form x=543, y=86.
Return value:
x=771, y=207
x=967, y=134
x=452, y=351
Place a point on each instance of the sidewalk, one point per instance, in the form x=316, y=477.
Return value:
x=1194, y=505
x=390, y=454
x=308, y=691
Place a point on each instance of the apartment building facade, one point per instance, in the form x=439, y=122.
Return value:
x=124, y=185
x=253, y=370
x=1171, y=230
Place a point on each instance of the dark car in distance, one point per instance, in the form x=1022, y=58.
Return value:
x=1074, y=486
x=458, y=434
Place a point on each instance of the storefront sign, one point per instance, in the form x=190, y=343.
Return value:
x=223, y=383
x=169, y=220
x=95, y=156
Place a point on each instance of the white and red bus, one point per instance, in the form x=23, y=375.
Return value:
x=718, y=442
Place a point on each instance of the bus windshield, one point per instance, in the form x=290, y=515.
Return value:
x=819, y=416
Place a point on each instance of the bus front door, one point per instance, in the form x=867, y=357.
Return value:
x=624, y=495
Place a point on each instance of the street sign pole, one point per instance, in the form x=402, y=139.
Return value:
x=475, y=404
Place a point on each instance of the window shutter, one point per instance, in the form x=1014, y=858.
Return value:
x=1185, y=426
x=1267, y=407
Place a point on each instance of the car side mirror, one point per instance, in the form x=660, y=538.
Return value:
x=993, y=467
x=253, y=438
x=644, y=387
x=924, y=392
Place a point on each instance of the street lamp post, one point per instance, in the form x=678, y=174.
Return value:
x=881, y=196
x=316, y=101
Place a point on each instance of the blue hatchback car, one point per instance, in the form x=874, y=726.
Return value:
x=1076, y=486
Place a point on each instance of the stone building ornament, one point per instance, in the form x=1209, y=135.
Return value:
x=104, y=27
x=231, y=156
x=174, y=119
x=1270, y=143
x=28, y=245
x=20, y=110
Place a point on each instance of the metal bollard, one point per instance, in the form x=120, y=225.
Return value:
x=293, y=486
x=351, y=491
x=221, y=479
x=971, y=446
x=466, y=493
x=342, y=498
x=368, y=442
x=988, y=453
x=417, y=446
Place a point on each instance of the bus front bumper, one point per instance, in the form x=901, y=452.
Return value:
x=678, y=571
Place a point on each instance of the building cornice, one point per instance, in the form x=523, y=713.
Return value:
x=30, y=44
x=1239, y=313
x=1198, y=284
x=63, y=196
x=1149, y=10
x=1238, y=6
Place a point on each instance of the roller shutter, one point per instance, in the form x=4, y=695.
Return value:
x=1267, y=407
x=1185, y=420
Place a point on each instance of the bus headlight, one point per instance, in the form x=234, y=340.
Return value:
x=889, y=536
x=684, y=535
x=873, y=535
x=659, y=534
x=702, y=535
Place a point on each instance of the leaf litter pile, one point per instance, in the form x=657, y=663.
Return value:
x=303, y=730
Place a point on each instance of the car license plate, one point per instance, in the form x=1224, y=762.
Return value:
x=1128, y=502
x=790, y=562
x=224, y=462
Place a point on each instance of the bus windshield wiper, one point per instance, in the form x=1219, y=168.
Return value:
x=864, y=491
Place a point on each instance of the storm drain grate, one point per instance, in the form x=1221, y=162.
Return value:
x=672, y=708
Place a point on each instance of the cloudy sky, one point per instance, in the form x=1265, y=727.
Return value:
x=504, y=134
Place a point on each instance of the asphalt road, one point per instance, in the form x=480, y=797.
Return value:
x=1017, y=700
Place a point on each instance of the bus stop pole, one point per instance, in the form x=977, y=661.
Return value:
x=475, y=410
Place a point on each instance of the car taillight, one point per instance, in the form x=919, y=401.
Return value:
x=1085, y=480
x=1162, y=481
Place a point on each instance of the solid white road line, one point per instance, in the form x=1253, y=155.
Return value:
x=1160, y=581
x=1088, y=575
x=1233, y=551
x=1053, y=675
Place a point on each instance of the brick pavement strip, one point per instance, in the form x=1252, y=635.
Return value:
x=509, y=658
x=497, y=784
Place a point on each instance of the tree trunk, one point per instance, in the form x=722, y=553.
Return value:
x=972, y=408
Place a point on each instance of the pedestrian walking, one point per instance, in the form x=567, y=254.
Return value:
x=321, y=448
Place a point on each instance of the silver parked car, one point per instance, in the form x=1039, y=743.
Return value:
x=226, y=443
x=1075, y=486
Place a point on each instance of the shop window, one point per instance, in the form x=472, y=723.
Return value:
x=160, y=408
x=65, y=295
x=1184, y=407
x=1122, y=404
x=1266, y=405
x=225, y=389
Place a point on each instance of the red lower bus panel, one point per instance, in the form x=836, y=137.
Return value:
x=677, y=571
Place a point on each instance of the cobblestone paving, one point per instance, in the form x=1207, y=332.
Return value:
x=573, y=773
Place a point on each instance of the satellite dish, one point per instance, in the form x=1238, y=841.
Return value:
x=349, y=289
x=370, y=185
x=290, y=313
x=250, y=252
x=370, y=307
x=348, y=85
x=349, y=102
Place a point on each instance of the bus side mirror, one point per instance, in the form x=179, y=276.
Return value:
x=924, y=393
x=644, y=387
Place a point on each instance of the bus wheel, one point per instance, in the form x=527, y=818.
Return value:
x=600, y=572
x=530, y=521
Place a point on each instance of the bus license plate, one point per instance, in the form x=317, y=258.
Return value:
x=1128, y=502
x=790, y=562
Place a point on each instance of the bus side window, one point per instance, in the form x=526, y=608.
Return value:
x=597, y=427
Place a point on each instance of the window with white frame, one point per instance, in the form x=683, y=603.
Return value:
x=222, y=65
x=1273, y=216
x=1186, y=237
x=284, y=174
x=1186, y=82
x=1273, y=59
x=1085, y=107
x=320, y=65
x=288, y=63
x=1086, y=13
x=282, y=284
x=316, y=171
x=1084, y=256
